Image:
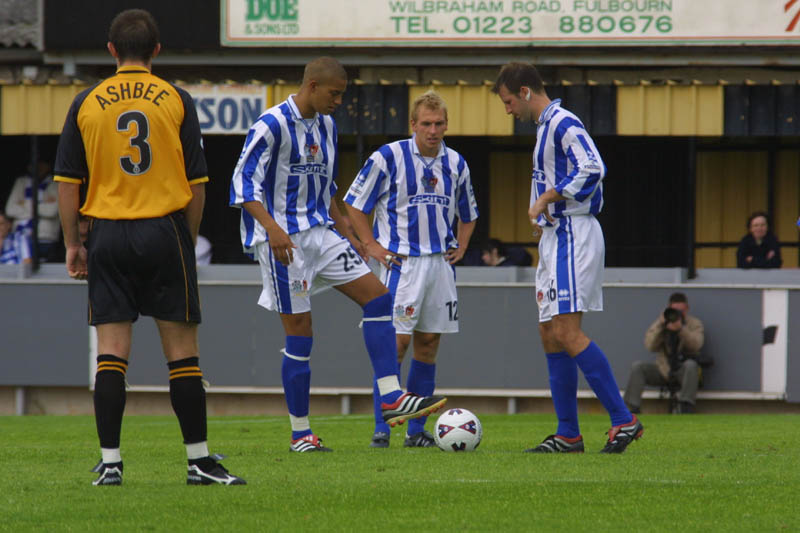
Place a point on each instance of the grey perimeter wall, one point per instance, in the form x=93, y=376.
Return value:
x=46, y=340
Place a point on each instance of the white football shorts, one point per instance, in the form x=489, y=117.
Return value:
x=569, y=278
x=424, y=293
x=322, y=259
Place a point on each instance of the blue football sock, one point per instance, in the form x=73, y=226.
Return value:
x=380, y=425
x=422, y=381
x=564, y=389
x=594, y=365
x=296, y=375
x=379, y=336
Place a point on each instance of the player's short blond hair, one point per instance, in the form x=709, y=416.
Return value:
x=430, y=100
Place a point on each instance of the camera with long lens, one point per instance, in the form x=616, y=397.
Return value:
x=672, y=315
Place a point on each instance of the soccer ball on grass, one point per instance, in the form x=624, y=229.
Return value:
x=458, y=430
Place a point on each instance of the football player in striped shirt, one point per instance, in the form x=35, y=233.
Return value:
x=134, y=141
x=416, y=187
x=285, y=182
x=566, y=194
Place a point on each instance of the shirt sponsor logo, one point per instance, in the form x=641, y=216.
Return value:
x=538, y=175
x=311, y=168
x=420, y=199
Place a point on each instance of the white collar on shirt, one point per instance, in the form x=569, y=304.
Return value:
x=415, y=148
x=296, y=111
x=548, y=111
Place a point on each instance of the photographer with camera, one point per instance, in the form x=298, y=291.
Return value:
x=677, y=337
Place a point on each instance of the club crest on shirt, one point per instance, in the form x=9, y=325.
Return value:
x=311, y=152
x=404, y=312
x=429, y=183
x=299, y=287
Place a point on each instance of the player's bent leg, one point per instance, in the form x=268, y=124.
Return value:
x=114, y=341
x=422, y=381
x=382, y=433
x=379, y=336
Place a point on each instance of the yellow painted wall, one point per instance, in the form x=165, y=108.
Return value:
x=509, y=197
x=787, y=203
x=35, y=109
x=277, y=93
x=670, y=110
x=731, y=186
x=471, y=109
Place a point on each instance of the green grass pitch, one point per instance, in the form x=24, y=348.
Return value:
x=688, y=473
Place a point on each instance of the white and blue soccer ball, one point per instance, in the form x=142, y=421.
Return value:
x=458, y=430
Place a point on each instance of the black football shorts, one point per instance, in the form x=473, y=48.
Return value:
x=145, y=266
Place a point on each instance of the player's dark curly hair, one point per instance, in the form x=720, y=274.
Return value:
x=134, y=34
x=514, y=76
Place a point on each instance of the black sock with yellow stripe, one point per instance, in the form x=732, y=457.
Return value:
x=109, y=398
x=188, y=398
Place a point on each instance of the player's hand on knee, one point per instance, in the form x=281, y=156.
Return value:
x=381, y=254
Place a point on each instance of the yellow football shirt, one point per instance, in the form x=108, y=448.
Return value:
x=134, y=140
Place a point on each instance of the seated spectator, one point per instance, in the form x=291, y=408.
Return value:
x=19, y=207
x=15, y=246
x=495, y=253
x=677, y=337
x=759, y=248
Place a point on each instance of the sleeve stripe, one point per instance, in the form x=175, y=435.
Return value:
x=68, y=179
x=198, y=180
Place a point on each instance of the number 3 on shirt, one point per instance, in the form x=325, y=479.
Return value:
x=139, y=141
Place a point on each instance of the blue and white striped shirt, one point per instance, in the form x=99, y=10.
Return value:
x=289, y=165
x=567, y=160
x=415, y=209
x=16, y=248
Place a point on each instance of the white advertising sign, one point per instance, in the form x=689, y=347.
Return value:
x=509, y=22
x=230, y=109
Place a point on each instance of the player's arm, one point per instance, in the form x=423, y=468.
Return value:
x=69, y=171
x=539, y=207
x=371, y=183
x=467, y=213
x=371, y=247
x=68, y=204
x=279, y=241
x=194, y=210
x=465, y=229
x=345, y=227
x=588, y=168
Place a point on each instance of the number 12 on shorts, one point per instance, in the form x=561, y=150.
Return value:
x=452, y=310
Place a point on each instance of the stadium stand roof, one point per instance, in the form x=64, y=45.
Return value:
x=19, y=24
